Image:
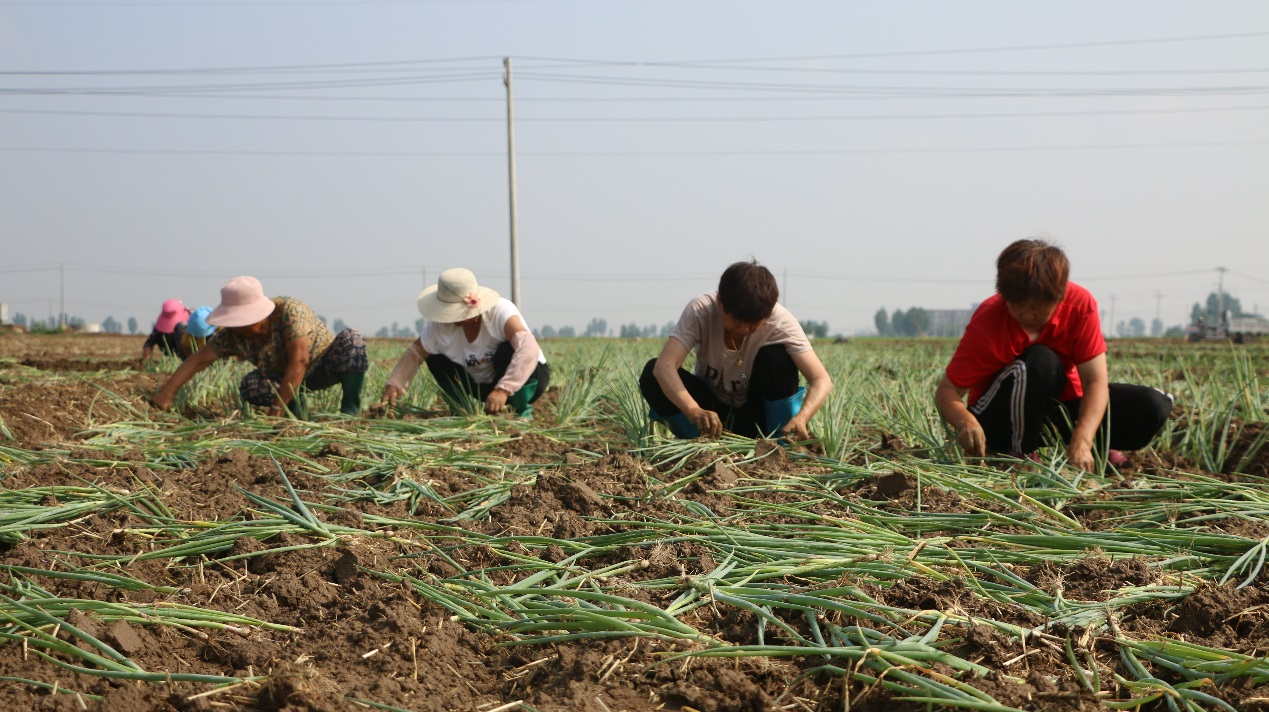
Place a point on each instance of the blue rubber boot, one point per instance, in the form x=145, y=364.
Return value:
x=678, y=424
x=778, y=413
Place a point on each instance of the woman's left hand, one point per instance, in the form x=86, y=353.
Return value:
x=496, y=401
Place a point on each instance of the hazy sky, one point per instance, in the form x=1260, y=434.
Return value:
x=870, y=154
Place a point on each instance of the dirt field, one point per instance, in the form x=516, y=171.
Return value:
x=491, y=502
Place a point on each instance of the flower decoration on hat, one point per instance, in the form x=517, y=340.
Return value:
x=472, y=300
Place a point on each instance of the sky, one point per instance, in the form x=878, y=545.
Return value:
x=872, y=155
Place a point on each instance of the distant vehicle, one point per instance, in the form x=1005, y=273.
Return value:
x=1238, y=329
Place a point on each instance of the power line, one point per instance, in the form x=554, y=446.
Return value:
x=633, y=119
x=410, y=64
x=1005, y=48
x=572, y=276
x=871, y=91
x=881, y=91
x=1147, y=275
x=414, y=65
x=634, y=154
x=1247, y=276
x=782, y=98
x=190, y=88
x=350, y=273
x=235, y=3
x=715, y=66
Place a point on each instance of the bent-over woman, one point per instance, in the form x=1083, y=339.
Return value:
x=475, y=343
x=749, y=352
x=289, y=346
x=169, y=330
x=1032, y=356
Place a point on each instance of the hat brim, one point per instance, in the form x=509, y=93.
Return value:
x=241, y=314
x=166, y=323
x=433, y=309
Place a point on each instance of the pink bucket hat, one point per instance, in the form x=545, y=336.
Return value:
x=456, y=297
x=173, y=313
x=242, y=303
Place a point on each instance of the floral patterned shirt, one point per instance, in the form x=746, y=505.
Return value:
x=291, y=319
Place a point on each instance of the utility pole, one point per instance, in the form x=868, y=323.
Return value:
x=1112, y=314
x=1158, y=312
x=511, y=184
x=61, y=313
x=1220, y=294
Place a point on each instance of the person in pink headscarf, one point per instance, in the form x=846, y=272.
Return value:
x=290, y=347
x=169, y=328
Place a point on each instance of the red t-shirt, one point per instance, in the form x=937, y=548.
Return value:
x=993, y=339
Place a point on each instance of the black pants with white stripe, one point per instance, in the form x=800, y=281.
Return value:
x=774, y=376
x=1024, y=399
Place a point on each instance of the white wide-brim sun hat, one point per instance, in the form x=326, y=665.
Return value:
x=456, y=297
x=242, y=303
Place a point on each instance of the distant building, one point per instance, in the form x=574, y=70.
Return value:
x=949, y=322
x=4, y=313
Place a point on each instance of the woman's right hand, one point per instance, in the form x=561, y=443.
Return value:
x=390, y=394
x=707, y=421
x=972, y=438
x=162, y=399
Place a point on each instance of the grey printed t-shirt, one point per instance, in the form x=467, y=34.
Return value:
x=727, y=371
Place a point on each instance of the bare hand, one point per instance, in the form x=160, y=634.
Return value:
x=496, y=401
x=390, y=394
x=972, y=439
x=707, y=421
x=162, y=400
x=1080, y=456
x=796, y=430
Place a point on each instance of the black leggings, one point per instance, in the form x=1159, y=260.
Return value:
x=774, y=376
x=453, y=377
x=1024, y=399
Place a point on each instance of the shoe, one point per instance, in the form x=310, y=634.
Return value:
x=1032, y=456
x=299, y=405
x=352, y=382
x=519, y=401
x=778, y=413
x=678, y=424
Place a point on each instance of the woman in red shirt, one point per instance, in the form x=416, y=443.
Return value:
x=1033, y=355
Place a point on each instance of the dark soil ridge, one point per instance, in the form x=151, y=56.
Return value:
x=363, y=636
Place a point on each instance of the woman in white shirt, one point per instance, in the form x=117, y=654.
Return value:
x=476, y=344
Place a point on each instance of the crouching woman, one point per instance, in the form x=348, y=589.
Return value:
x=1032, y=356
x=476, y=345
x=289, y=346
x=749, y=352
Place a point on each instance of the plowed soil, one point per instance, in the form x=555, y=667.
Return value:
x=359, y=635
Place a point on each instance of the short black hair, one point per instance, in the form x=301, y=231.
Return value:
x=747, y=291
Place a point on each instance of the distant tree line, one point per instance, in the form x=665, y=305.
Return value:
x=598, y=327
x=815, y=329
x=396, y=331
x=1210, y=312
x=913, y=322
